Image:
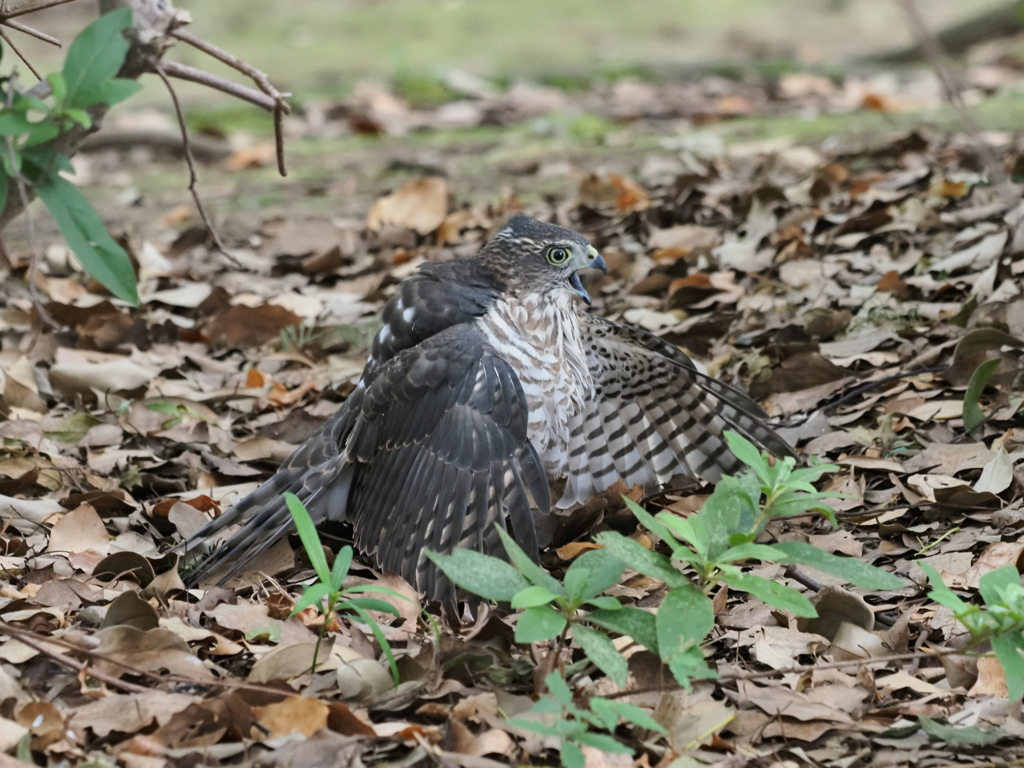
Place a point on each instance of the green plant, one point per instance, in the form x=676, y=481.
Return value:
x=572, y=725
x=1000, y=622
x=973, y=415
x=715, y=541
x=31, y=128
x=328, y=593
x=550, y=608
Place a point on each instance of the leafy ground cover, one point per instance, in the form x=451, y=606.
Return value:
x=854, y=284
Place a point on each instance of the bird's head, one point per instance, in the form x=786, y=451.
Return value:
x=535, y=257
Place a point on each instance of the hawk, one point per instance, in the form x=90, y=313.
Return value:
x=484, y=383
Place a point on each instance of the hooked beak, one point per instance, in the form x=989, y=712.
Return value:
x=593, y=261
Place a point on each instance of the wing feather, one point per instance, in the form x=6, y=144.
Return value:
x=654, y=416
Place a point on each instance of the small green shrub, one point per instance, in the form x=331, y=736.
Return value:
x=1000, y=622
x=30, y=126
x=328, y=593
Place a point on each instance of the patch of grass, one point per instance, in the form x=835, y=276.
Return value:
x=422, y=90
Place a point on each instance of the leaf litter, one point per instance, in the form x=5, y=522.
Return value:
x=853, y=291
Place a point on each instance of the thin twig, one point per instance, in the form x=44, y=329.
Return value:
x=193, y=176
x=261, y=80
x=31, y=32
x=194, y=75
x=281, y=106
x=20, y=55
x=796, y=669
x=951, y=88
x=30, y=639
x=21, y=10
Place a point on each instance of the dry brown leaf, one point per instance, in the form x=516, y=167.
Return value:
x=296, y=714
x=420, y=205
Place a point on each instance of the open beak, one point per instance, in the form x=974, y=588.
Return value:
x=594, y=261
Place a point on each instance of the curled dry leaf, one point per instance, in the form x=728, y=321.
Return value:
x=420, y=205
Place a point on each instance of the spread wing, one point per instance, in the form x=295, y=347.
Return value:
x=431, y=451
x=654, y=416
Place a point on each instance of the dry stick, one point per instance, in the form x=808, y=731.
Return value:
x=21, y=10
x=19, y=54
x=29, y=639
x=194, y=75
x=951, y=88
x=193, y=177
x=32, y=32
x=796, y=669
x=281, y=107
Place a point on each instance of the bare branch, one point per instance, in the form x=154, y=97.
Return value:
x=31, y=32
x=261, y=80
x=951, y=87
x=30, y=639
x=194, y=75
x=280, y=106
x=21, y=10
x=193, y=177
x=20, y=55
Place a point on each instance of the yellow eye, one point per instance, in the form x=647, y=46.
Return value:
x=557, y=255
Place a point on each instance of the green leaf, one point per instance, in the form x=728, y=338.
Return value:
x=310, y=538
x=768, y=591
x=73, y=428
x=628, y=712
x=312, y=595
x=95, y=57
x=575, y=584
x=959, y=736
x=994, y=582
x=481, y=574
x=600, y=650
x=650, y=522
x=684, y=619
x=540, y=623
x=857, y=572
x=14, y=124
x=528, y=724
x=1009, y=649
x=115, y=91
x=605, y=601
x=604, y=570
x=631, y=622
x=79, y=116
x=973, y=415
x=4, y=179
x=339, y=570
x=572, y=755
x=750, y=551
x=271, y=633
x=369, y=604
x=690, y=665
x=58, y=86
x=558, y=688
x=641, y=559
x=531, y=597
x=41, y=133
x=382, y=641
x=747, y=452
x=941, y=593
x=731, y=508
x=533, y=572
x=82, y=227
x=603, y=742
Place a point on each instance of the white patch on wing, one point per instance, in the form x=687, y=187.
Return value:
x=384, y=333
x=408, y=313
